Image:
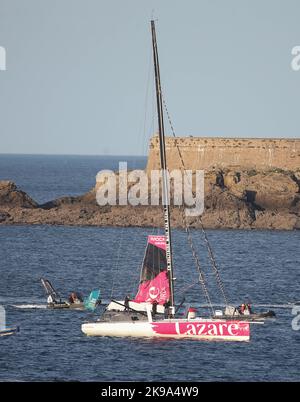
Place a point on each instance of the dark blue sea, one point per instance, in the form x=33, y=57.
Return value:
x=258, y=266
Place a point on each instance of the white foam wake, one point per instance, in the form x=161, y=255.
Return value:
x=30, y=306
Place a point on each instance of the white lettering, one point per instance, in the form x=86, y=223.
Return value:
x=201, y=328
x=296, y=320
x=189, y=199
x=233, y=327
x=295, y=64
x=123, y=184
x=106, y=192
x=133, y=188
x=212, y=329
x=221, y=326
x=191, y=330
x=121, y=392
x=177, y=328
x=2, y=58
x=155, y=188
x=138, y=193
x=2, y=318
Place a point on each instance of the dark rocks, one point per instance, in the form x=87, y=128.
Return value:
x=235, y=200
x=13, y=197
x=59, y=202
x=4, y=216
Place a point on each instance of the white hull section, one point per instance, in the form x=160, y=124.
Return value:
x=120, y=306
x=200, y=329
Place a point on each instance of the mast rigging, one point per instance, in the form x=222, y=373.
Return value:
x=163, y=163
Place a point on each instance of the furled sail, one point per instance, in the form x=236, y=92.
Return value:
x=154, y=284
x=50, y=291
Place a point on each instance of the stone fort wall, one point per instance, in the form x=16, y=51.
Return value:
x=209, y=153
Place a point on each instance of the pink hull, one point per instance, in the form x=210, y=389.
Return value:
x=203, y=329
x=178, y=329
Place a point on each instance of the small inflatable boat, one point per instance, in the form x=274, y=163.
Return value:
x=54, y=300
x=75, y=300
x=244, y=313
x=65, y=304
x=9, y=331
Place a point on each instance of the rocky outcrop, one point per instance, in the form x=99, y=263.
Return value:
x=267, y=190
x=13, y=197
x=234, y=198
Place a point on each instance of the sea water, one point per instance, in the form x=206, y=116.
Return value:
x=257, y=266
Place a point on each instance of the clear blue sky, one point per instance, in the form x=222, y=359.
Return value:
x=77, y=72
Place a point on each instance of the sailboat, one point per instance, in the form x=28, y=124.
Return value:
x=153, y=313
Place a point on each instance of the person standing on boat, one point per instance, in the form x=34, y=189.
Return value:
x=71, y=298
x=247, y=310
x=154, y=308
x=126, y=302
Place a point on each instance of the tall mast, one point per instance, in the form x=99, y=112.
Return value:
x=163, y=163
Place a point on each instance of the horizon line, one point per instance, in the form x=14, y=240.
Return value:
x=58, y=154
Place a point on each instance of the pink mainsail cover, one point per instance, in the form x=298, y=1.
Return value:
x=154, y=291
x=154, y=286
